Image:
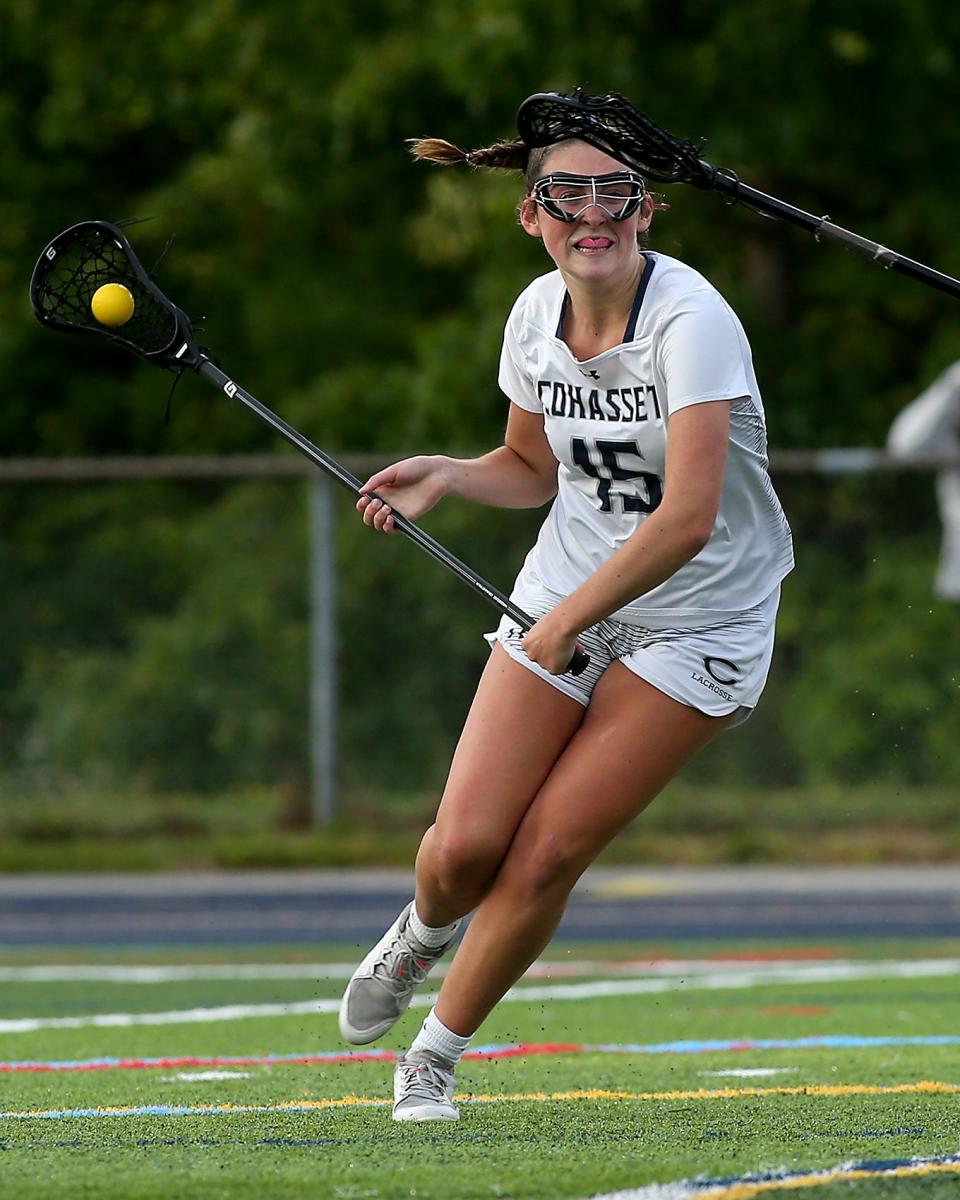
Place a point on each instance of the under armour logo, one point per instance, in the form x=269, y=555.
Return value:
x=590, y=374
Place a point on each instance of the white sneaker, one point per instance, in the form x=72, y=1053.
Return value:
x=423, y=1085
x=382, y=986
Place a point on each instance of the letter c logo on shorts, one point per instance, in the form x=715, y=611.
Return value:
x=720, y=669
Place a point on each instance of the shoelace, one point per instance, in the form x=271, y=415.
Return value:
x=414, y=968
x=423, y=1080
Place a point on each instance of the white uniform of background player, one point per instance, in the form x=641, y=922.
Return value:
x=705, y=635
x=931, y=425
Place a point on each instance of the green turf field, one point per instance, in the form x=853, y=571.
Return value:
x=631, y=1098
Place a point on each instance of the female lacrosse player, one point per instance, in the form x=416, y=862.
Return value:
x=634, y=407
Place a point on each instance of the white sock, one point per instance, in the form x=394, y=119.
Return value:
x=438, y=1039
x=428, y=936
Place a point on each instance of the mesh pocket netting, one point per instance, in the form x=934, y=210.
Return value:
x=75, y=265
x=611, y=123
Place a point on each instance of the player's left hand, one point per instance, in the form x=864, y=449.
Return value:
x=550, y=644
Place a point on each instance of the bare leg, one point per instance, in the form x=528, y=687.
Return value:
x=516, y=729
x=633, y=740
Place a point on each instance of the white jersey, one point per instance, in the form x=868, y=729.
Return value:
x=607, y=418
x=931, y=425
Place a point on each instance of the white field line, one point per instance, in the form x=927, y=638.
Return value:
x=718, y=980
x=656, y=1191
x=205, y=1076
x=133, y=973
x=750, y=1072
x=319, y=972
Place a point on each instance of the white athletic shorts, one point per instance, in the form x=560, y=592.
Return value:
x=719, y=668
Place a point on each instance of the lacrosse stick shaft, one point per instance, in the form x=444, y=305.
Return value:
x=331, y=467
x=614, y=125
x=823, y=229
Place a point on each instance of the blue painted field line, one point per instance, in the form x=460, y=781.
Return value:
x=840, y=1041
x=746, y=1187
x=517, y=1050
x=199, y=1110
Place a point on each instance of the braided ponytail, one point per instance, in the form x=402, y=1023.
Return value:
x=507, y=156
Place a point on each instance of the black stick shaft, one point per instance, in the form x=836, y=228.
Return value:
x=824, y=229
x=332, y=468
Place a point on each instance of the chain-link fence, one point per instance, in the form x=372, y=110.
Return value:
x=209, y=627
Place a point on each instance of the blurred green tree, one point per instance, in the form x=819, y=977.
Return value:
x=363, y=296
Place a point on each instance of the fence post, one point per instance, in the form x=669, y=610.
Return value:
x=323, y=653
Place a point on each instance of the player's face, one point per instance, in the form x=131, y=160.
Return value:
x=595, y=246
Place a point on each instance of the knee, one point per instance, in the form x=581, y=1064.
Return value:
x=462, y=863
x=547, y=868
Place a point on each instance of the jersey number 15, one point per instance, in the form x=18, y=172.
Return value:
x=610, y=471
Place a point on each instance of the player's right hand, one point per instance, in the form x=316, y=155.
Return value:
x=410, y=487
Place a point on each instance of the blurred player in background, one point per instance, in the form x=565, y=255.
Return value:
x=635, y=409
x=931, y=425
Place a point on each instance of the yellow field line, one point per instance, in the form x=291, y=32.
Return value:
x=927, y=1087
x=813, y=1089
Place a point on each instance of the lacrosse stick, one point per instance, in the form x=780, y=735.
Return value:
x=94, y=259
x=612, y=124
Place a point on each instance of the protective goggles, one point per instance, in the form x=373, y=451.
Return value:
x=567, y=197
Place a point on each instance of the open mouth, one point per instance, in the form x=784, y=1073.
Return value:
x=593, y=245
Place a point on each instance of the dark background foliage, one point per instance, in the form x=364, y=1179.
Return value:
x=155, y=634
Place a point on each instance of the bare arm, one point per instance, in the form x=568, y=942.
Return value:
x=522, y=473
x=676, y=531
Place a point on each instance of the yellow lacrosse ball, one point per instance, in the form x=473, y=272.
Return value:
x=112, y=304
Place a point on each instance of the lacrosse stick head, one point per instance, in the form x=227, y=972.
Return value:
x=83, y=258
x=612, y=124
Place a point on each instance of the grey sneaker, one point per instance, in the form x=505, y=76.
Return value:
x=423, y=1086
x=382, y=986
